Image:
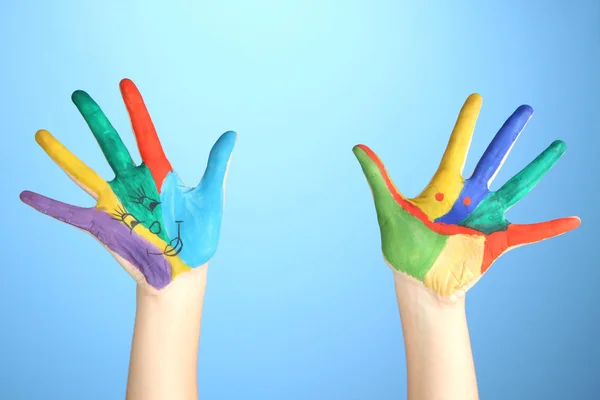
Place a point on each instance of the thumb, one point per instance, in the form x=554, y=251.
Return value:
x=218, y=162
x=385, y=193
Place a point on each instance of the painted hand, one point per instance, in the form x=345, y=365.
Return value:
x=155, y=226
x=450, y=234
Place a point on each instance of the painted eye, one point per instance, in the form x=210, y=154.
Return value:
x=133, y=224
x=139, y=197
x=467, y=201
x=153, y=205
x=155, y=228
x=439, y=196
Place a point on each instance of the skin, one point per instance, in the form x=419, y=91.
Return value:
x=440, y=243
x=157, y=232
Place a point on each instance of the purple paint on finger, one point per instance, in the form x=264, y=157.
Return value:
x=114, y=234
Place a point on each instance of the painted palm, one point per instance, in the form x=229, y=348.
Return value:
x=154, y=225
x=450, y=234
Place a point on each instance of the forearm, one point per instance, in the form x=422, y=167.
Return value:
x=438, y=349
x=164, y=352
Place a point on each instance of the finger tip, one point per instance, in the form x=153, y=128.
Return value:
x=365, y=156
x=127, y=85
x=475, y=98
x=26, y=196
x=359, y=148
x=41, y=136
x=125, y=82
x=525, y=109
x=232, y=134
x=559, y=145
x=230, y=137
x=78, y=96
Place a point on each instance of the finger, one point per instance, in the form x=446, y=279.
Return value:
x=458, y=146
x=147, y=139
x=381, y=184
x=109, y=140
x=116, y=235
x=76, y=169
x=494, y=156
x=76, y=216
x=522, y=183
x=218, y=162
x=518, y=235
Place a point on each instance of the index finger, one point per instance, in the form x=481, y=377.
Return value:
x=458, y=146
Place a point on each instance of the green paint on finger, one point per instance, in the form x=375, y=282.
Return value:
x=110, y=142
x=133, y=185
x=403, y=236
x=489, y=217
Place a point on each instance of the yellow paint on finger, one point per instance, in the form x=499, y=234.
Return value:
x=460, y=140
x=448, y=187
x=445, y=186
x=73, y=166
x=107, y=200
x=458, y=265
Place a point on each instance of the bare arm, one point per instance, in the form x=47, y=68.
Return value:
x=438, y=349
x=164, y=351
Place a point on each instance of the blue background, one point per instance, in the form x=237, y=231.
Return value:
x=300, y=304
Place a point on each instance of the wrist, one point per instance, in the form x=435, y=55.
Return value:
x=171, y=318
x=414, y=298
x=185, y=290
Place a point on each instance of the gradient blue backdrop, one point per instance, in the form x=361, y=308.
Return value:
x=300, y=304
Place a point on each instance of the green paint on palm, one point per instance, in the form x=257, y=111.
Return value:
x=408, y=244
x=136, y=190
x=488, y=217
x=133, y=185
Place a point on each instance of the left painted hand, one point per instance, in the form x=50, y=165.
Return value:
x=154, y=225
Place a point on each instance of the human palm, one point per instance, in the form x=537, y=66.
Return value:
x=155, y=226
x=450, y=234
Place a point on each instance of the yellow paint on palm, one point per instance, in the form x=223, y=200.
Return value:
x=445, y=186
x=458, y=264
x=98, y=188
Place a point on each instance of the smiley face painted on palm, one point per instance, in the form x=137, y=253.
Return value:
x=145, y=215
x=152, y=192
x=133, y=185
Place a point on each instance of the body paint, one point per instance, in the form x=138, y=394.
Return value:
x=194, y=214
x=132, y=184
x=488, y=217
x=114, y=234
x=476, y=188
x=128, y=216
x=135, y=189
x=449, y=256
x=440, y=194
